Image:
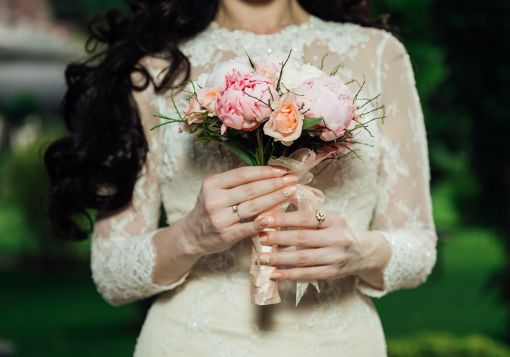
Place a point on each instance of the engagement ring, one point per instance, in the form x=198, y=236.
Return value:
x=321, y=217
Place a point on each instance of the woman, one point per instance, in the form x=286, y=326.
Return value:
x=112, y=162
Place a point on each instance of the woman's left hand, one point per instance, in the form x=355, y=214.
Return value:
x=333, y=250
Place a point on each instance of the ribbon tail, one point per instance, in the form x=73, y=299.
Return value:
x=315, y=284
x=301, y=287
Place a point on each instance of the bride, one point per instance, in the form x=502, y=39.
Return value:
x=198, y=260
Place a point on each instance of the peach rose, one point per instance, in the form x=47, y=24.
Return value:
x=207, y=98
x=286, y=123
x=193, y=112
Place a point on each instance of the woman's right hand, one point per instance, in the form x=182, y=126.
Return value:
x=212, y=226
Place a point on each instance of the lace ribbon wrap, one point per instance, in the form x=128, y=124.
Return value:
x=264, y=291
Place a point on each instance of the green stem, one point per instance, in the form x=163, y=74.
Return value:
x=260, y=151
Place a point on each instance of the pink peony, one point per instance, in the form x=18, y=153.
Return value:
x=329, y=98
x=286, y=123
x=222, y=69
x=242, y=104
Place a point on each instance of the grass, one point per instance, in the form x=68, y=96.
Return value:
x=455, y=298
x=60, y=314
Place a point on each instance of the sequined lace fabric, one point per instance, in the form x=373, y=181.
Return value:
x=207, y=312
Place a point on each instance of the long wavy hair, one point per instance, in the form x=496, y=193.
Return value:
x=106, y=146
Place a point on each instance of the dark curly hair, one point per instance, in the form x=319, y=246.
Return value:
x=106, y=146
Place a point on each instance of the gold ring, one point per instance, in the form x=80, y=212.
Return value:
x=320, y=215
x=265, y=259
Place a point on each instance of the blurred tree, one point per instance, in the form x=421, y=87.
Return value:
x=15, y=110
x=459, y=53
x=473, y=35
x=23, y=184
x=448, y=136
x=80, y=11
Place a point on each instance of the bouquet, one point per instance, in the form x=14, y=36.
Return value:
x=270, y=111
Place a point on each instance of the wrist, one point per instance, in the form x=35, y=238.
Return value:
x=172, y=260
x=376, y=252
x=188, y=237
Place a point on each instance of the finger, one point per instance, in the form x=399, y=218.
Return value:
x=240, y=231
x=245, y=174
x=302, y=257
x=308, y=238
x=256, y=189
x=307, y=273
x=252, y=208
x=302, y=219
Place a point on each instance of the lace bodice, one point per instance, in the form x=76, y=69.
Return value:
x=387, y=190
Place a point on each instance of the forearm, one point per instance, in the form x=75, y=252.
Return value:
x=173, y=257
x=376, y=252
x=127, y=267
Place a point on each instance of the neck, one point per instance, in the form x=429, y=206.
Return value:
x=259, y=16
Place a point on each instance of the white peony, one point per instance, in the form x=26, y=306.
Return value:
x=295, y=73
x=217, y=76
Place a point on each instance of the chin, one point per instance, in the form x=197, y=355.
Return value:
x=258, y=2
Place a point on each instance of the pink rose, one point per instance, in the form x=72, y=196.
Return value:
x=286, y=123
x=222, y=69
x=329, y=98
x=243, y=104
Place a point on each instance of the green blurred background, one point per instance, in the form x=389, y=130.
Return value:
x=48, y=303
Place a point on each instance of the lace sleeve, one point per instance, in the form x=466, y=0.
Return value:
x=403, y=214
x=122, y=252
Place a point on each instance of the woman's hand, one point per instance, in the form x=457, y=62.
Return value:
x=212, y=226
x=333, y=251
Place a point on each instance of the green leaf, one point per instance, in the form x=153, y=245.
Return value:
x=252, y=64
x=241, y=153
x=310, y=122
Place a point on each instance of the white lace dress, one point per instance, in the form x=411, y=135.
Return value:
x=208, y=311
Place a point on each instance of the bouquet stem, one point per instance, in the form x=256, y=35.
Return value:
x=264, y=291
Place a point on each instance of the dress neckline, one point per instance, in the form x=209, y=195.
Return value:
x=216, y=28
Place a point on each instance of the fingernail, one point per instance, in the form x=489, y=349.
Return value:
x=262, y=235
x=268, y=219
x=278, y=170
x=290, y=178
x=275, y=275
x=265, y=220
